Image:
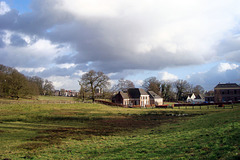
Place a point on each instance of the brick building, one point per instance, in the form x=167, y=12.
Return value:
x=228, y=92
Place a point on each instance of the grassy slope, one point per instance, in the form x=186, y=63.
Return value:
x=92, y=131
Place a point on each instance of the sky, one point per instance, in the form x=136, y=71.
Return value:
x=60, y=40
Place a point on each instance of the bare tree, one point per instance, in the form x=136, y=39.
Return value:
x=123, y=84
x=39, y=82
x=166, y=90
x=152, y=84
x=48, y=87
x=182, y=88
x=62, y=92
x=198, y=89
x=94, y=80
x=83, y=90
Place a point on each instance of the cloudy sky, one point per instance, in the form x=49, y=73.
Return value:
x=194, y=40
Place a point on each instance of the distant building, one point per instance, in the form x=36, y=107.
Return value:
x=192, y=98
x=228, y=92
x=57, y=93
x=99, y=91
x=66, y=93
x=209, y=99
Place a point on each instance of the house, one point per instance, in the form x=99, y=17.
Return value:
x=155, y=98
x=121, y=98
x=192, y=98
x=66, y=93
x=57, y=93
x=209, y=99
x=199, y=99
x=228, y=92
x=135, y=97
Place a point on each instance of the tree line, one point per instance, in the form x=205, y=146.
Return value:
x=170, y=91
x=16, y=85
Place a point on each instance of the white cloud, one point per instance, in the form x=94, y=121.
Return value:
x=40, y=53
x=79, y=73
x=4, y=8
x=66, y=65
x=223, y=67
x=167, y=76
x=113, y=82
x=64, y=82
x=138, y=83
x=90, y=8
x=174, y=33
x=121, y=36
x=110, y=33
x=38, y=69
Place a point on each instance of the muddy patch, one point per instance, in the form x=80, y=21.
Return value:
x=100, y=127
x=32, y=145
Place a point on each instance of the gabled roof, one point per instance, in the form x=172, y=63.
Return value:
x=153, y=94
x=190, y=95
x=199, y=96
x=227, y=86
x=136, y=92
x=142, y=91
x=124, y=95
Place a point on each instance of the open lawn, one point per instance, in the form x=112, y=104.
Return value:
x=95, y=131
x=41, y=98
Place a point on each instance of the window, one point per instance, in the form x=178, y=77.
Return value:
x=235, y=91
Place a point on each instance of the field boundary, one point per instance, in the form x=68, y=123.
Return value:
x=40, y=102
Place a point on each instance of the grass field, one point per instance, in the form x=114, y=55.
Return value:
x=95, y=131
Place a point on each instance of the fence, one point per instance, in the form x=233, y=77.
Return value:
x=109, y=103
x=199, y=106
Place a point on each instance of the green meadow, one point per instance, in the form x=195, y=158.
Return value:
x=96, y=131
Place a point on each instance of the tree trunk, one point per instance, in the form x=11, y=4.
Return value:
x=93, y=93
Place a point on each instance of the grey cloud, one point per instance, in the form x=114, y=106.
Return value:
x=211, y=78
x=21, y=58
x=55, y=71
x=17, y=41
x=37, y=22
x=2, y=44
x=229, y=48
x=111, y=51
x=9, y=20
x=64, y=59
x=110, y=44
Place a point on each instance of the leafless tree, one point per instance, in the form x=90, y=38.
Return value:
x=198, y=89
x=152, y=84
x=123, y=84
x=94, y=80
x=48, y=87
x=182, y=88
